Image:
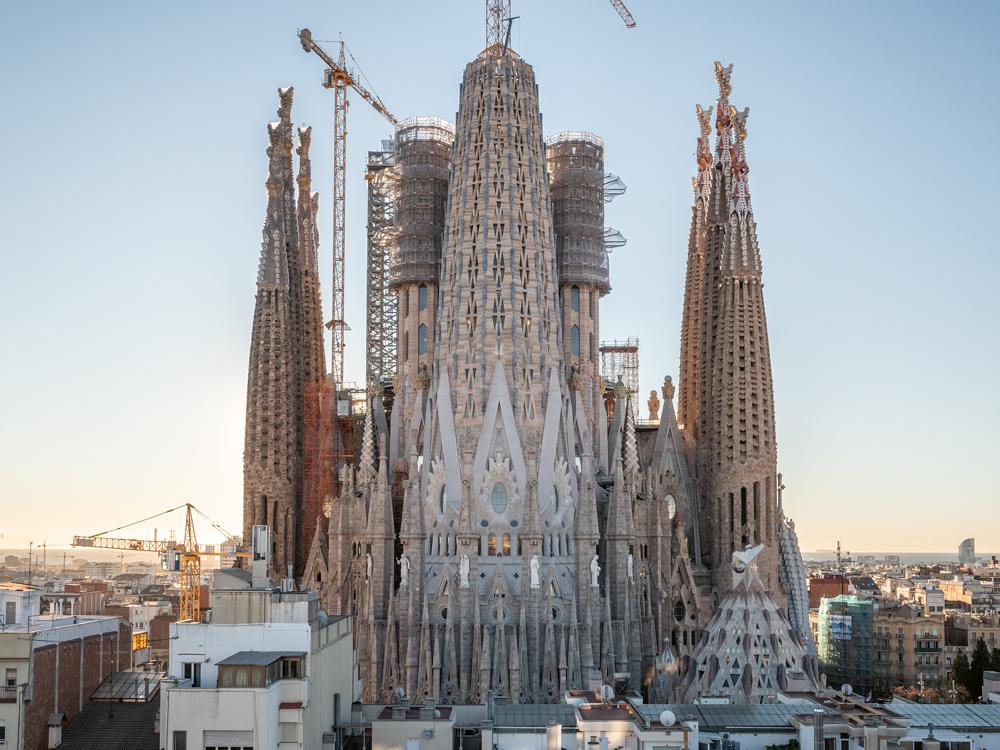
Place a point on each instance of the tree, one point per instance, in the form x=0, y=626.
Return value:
x=980, y=663
x=995, y=660
x=960, y=671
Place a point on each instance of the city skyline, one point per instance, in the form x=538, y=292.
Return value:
x=146, y=389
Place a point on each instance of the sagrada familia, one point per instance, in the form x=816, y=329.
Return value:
x=507, y=527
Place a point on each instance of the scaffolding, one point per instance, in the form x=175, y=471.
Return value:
x=620, y=359
x=382, y=324
x=423, y=159
x=576, y=184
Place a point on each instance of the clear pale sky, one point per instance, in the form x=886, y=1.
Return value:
x=132, y=200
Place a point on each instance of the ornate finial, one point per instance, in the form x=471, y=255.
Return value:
x=704, y=120
x=723, y=76
x=741, y=122
x=375, y=388
x=285, y=97
x=668, y=388
x=305, y=140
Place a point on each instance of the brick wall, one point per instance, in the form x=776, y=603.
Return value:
x=59, y=689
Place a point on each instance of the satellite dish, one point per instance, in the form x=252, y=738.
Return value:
x=607, y=692
x=846, y=688
x=667, y=718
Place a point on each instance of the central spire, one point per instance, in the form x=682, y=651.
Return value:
x=498, y=278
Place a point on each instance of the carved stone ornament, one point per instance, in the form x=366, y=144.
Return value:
x=575, y=381
x=668, y=388
x=423, y=379
x=498, y=471
x=620, y=389
x=595, y=571
x=436, y=479
x=375, y=388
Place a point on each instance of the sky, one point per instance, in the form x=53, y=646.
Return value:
x=132, y=200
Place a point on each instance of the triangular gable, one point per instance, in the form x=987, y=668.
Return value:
x=499, y=411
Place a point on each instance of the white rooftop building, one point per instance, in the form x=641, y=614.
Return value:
x=269, y=669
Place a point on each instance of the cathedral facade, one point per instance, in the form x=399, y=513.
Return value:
x=509, y=527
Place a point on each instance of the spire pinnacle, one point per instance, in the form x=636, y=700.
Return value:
x=723, y=114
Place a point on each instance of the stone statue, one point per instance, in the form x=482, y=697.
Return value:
x=620, y=389
x=463, y=571
x=534, y=565
x=595, y=570
x=630, y=567
x=404, y=571
x=654, y=406
x=368, y=565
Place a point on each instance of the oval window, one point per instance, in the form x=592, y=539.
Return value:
x=671, y=506
x=498, y=497
x=679, y=611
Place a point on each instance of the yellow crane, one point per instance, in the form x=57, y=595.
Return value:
x=184, y=556
x=339, y=78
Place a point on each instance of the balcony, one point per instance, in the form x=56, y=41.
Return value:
x=8, y=694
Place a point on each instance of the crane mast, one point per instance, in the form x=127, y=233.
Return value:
x=338, y=78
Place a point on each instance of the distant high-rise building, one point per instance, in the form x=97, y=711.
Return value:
x=967, y=552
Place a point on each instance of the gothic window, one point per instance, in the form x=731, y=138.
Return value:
x=590, y=303
x=574, y=341
x=498, y=498
x=422, y=339
x=491, y=547
x=422, y=297
x=444, y=498
x=574, y=298
x=555, y=499
x=506, y=544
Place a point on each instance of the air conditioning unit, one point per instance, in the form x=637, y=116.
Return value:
x=428, y=734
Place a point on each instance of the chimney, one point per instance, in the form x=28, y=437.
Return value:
x=819, y=742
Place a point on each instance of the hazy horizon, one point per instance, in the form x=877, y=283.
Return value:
x=134, y=201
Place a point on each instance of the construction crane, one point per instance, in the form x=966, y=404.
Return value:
x=184, y=556
x=339, y=78
x=624, y=13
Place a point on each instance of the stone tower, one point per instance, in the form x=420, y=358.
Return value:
x=271, y=463
x=727, y=402
x=287, y=364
